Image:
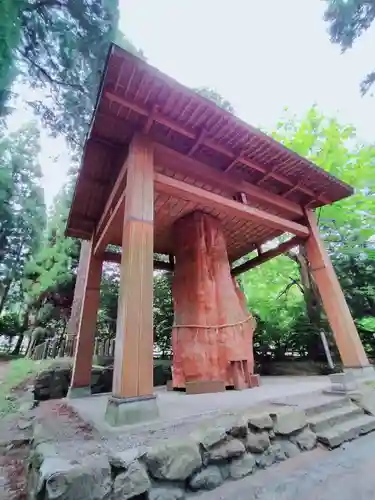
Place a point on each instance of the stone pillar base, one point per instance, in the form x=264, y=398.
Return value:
x=350, y=380
x=362, y=372
x=127, y=411
x=79, y=392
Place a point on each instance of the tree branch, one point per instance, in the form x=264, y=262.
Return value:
x=289, y=286
x=49, y=77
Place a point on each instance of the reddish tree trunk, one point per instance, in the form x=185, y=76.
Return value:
x=213, y=331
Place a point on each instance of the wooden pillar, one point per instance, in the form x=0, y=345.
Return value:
x=344, y=330
x=81, y=376
x=133, y=366
x=79, y=291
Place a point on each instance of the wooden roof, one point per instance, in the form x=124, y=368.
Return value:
x=189, y=130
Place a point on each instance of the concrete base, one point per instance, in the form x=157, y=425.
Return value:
x=127, y=411
x=350, y=380
x=79, y=392
x=363, y=372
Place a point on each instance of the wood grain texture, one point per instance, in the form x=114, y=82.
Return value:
x=133, y=367
x=344, y=330
x=81, y=376
x=212, y=325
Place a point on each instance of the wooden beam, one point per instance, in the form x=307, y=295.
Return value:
x=116, y=258
x=210, y=143
x=117, y=194
x=102, y=237
x=194, y=193
x=337, y=311
x=132, y=373
x=232, y=184
x=265, y=256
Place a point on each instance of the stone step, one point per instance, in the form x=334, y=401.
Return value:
x=326, y=404
x=327, y=419
x=335, y=436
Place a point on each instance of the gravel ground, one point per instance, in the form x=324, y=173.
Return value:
x=346, y=474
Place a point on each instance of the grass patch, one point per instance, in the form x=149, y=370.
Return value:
x=18, y=371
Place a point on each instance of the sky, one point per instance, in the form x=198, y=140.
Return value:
x=262, y=56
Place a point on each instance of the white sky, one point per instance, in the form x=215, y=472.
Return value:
x=262, y=56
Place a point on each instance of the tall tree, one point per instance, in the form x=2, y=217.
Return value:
x=22, y=212
x=348, y=20
x=282, y=292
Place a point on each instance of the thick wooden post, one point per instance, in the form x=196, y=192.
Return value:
x=344, y=330
x=81, y=376
x=79, y=291
x=133, y=367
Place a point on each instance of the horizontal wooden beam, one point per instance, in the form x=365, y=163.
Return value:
x=232, y=184
x=186, y=191
x=157, y=117
x=116, y=258
x=265, y=256
x=115, y=199
x=102, y=237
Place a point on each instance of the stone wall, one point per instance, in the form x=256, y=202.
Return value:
x=54, y=381
x=172, y=469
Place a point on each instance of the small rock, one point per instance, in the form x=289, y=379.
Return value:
x=287, y=422
x=260, y=421
x=209, y=436
x=166, y=493
x=241, y=467
x=278, y=451
x=229, y=449
x=134, y=481
x=174, y=461
x=257, y=443
x=239, y=427
x=206, y=479
x=290, y=449
x=273, y=454
x=306, y=439
x=24, y=424
x=123, y=459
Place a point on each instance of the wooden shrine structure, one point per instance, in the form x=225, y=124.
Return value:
x=167, y=172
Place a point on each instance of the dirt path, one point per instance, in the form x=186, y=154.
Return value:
x=4, y=366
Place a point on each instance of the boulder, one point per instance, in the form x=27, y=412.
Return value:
x=230, y=448
x=134, y=481
x=123, y=459
x=241, y=467
x=174, y=461
x=288, y=422
x=260, y=421
x=288, y=448
x=257, y=442
x=306, y=439
x=61, y=479
x=209, y=436
x=274, y=453
x=206, y=479
x=166, y=493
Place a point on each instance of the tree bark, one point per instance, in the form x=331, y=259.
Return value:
x=213, y=330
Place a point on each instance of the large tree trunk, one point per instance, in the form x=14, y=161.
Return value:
x=213, y=330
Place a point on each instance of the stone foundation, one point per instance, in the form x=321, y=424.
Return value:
x=174, y=468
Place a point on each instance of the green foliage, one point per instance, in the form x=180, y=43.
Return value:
x=348, y=20
x=290, y=318
x=163, y=312
x=22, y=211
